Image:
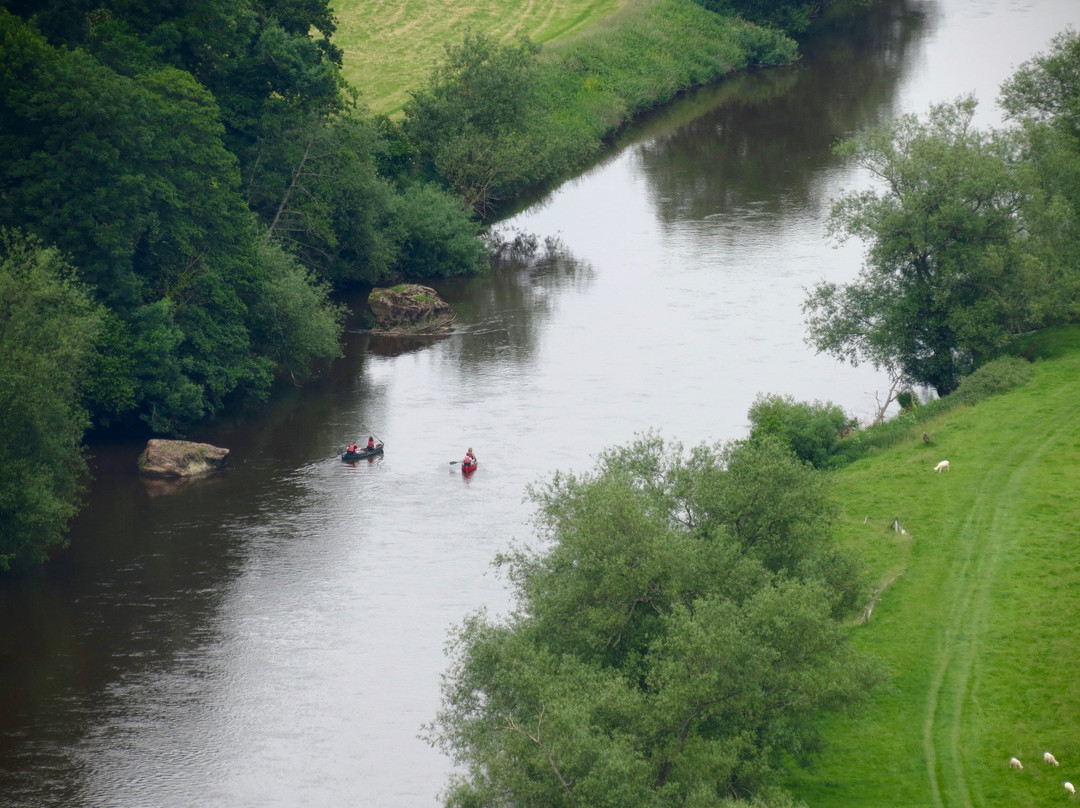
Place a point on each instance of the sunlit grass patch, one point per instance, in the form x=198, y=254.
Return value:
x=391, y=46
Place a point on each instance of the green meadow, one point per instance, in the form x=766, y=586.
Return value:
x=976, y=610
x=390, y=46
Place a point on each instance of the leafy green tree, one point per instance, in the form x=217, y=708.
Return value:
x=298, y=325
x=259, y=58
x=1043, y=96
x=437, y=238
x=129, y=176
x=48, y=328
x=475, y=123
x=672, y=642
x=942, y=286
x=1047, y=88
x=812, y=431
x=316, y=187
x=790, y=16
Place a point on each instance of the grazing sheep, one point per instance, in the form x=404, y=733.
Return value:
x=1050, y=759
x=1015, y=763
x=942, y=466
x=1069, y=787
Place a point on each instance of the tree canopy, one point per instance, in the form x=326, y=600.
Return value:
x=960, y=249
x=161, y=149
x=49, y=328
x=673, y=638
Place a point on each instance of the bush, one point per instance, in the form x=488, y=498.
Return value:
x=811, y=431
x=439, y=239
x=992, y=378
x=296, y=324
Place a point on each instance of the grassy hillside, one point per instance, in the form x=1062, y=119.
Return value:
x=977, y=612
x=391, y=45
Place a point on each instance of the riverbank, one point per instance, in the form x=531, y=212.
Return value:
x=390, y=52
x=497, y=118
x=973, y=604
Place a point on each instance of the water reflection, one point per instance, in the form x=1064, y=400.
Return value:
x=767, y=137
x=504, y=314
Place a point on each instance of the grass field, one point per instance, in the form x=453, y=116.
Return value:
x=390, y=46
x=977, y=616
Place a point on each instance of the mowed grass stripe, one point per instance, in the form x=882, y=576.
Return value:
x=988, y=533
x=391, y=46
x=978, y=629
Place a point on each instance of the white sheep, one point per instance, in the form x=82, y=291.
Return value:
x=1015, y=763
x=942, y=466
x=1069, y=787
x=1050, y=759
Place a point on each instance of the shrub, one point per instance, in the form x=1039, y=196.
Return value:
x=439, y=239
x=811, y=431
x=992, y=378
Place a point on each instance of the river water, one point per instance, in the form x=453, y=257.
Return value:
x=274, y=636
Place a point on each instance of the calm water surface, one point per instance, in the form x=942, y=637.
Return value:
x=275, y=636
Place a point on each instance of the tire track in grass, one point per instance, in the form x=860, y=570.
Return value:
x=984, y=539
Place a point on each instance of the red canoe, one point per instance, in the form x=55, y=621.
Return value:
x=469, y=468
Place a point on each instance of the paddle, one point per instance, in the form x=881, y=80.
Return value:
x=454, y=462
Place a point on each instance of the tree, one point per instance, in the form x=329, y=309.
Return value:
x=671, y=644
x=259, y=58
x=297, y=325
x=1047, y=88
x=791, y=16
x=1043, y=96
x=130, y=177
x=942, y=286
x=48, y=328
x=473, y=124
x=437, y=238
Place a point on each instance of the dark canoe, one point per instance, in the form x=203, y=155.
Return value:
x=352, y=457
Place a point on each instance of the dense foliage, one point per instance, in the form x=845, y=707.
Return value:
x=140, y=140
x=49, y=327
x=812, y=431
x=974, y=239
x=673, y=639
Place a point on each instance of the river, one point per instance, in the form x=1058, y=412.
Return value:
x=274, y=636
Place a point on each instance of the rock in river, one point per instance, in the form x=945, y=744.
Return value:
x=410, y=308
x=180, y=458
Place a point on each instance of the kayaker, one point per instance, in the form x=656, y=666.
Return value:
x=470, y=458
x=370, y=443
x=352, y=448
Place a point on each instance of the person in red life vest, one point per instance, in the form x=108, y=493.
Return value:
x=470, y=458
x=370, y=443
x=352, y=448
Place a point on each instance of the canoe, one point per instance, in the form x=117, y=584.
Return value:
x=352, y=457
x=469, y=468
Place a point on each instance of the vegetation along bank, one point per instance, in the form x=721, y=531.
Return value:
x=183, y=189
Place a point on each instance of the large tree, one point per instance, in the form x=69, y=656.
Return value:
x=673, y=640
x=950, y=255
x=48, y=329
x=475, y=124
x=130, y=177
x=1043, y=96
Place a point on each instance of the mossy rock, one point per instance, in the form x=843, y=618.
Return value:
x=409, y=308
